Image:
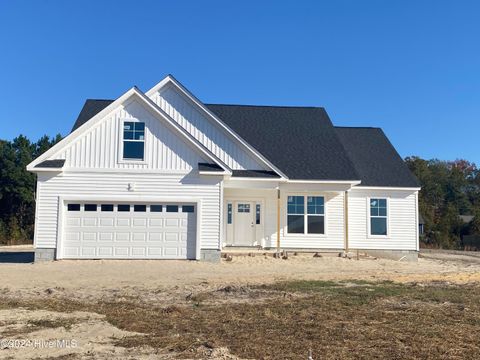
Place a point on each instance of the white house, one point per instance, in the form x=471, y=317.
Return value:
x=161, y=175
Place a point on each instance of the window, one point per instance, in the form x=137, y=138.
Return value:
x=243, y=208
x=315, y=215
x=156, y=208
x=229, y=213
x=306, y=220
x=172, y=208
x=90, y=207
x=188, y=208
x=139, y=208
x=378, y=217
x=107, y=207
x=133, y=140
x=296, y=215
x=73, y=207
x=124, y=208
x=257, y=214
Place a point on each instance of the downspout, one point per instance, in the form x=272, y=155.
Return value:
x=278, y=220
x=345, y=216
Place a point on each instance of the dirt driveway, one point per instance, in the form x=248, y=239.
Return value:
x=58, y=300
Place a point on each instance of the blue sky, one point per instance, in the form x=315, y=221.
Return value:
x=410, y=67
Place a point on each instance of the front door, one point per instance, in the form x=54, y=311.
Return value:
x=244, y=223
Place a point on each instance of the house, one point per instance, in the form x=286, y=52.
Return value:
x=161, y=175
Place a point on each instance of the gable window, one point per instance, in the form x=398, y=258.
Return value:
x=133, y=140
x=378, y=217
x=309, y=219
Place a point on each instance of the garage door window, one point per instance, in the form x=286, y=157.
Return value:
x=73, y=207
x=90, y=207
x=107, y=207
x=123, y=208
x=140, y=208
x=188, y=209
x=156, y=208
x=172, y=208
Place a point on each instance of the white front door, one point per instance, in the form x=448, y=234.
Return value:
x=244, y=223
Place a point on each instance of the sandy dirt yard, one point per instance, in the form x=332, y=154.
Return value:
x=71, y=290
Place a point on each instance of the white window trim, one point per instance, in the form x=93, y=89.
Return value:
x=369, y=230
x=121, y=160
x=305, y=215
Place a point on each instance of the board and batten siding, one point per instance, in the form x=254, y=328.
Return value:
x=99, y=147
x=402, y=220
x=192, y=119
x=50, y=188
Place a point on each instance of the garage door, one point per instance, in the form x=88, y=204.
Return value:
x=102, y=230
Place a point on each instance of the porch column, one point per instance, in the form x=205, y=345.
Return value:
x=278, y=219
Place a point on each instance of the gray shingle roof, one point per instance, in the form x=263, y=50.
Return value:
x=209, y=167
x=255, y=174
x=300, y=141
x=51, y=164
x=91, y=108
x=375, y=159
x=303, y=143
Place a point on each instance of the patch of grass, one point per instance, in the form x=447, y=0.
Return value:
x=52, y=324
x=347, y=320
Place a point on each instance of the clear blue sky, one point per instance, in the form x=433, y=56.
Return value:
x=410, y=67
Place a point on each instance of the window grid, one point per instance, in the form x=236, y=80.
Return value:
x=257, y=214
x=313, y=215
x=378, y=217
x=133, y=140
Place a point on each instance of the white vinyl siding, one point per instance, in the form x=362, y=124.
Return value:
x=192, y=119
x=402, y=223
x=115, y=186
x=100, y=147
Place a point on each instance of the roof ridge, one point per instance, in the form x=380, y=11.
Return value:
x=271, y=106
x=99, y=99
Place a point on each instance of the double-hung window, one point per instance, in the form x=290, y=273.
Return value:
x=133, y=140
x=378, y=217
x=309, y=219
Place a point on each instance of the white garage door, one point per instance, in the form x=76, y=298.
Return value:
x=106, y=230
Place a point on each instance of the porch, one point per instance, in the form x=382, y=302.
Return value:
x=266, y=215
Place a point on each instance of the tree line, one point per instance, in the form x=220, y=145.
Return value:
x=17, y=187
x=449, y=189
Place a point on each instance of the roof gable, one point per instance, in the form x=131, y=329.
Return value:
x=132, y=95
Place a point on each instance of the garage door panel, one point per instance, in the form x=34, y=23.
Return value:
x=106, y=236
x=89, y=236
x=123, y=222
x=139, y=222
x=89, y=222
x=87, y=251
x=76, y=221
x=159, y=231
x=105, y=251
x=72, y=236
x=121, y=251
x=155, y=222
x=122, y=236
x=154, y=236
x=139, y=237
x=106, y=222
